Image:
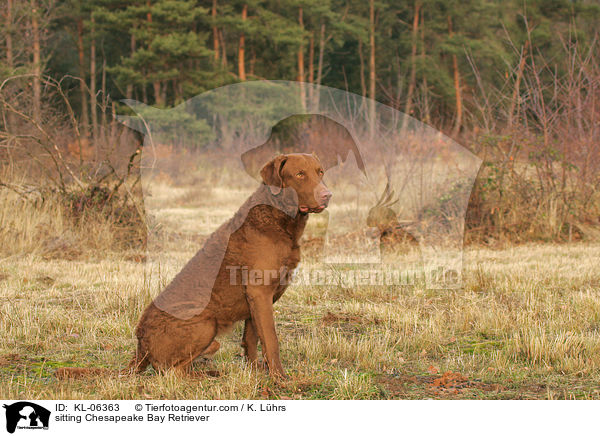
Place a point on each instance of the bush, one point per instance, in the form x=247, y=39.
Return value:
x=526, y=191
x=69, y=225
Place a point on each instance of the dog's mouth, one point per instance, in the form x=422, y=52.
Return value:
x=318, y=209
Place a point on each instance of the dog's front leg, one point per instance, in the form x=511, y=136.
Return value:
x=250, y=342
x=260, y=300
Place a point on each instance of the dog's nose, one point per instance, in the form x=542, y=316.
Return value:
x=325, y=195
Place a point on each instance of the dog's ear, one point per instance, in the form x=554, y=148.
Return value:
x=271, y=174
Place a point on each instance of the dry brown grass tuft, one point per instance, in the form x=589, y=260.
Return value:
x=46, y=225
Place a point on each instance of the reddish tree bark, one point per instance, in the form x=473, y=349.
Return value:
x=93, y=107
x=37, y=66
x=242, y=48
x=215, y=31
x=301, y=61
x=311, y=67
x=372, y=75
x=413, y=60
x=457, y=86
x=85, y=118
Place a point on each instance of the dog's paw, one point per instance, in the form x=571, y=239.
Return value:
x=203, y=373
x=256, y=364
x=278, y=374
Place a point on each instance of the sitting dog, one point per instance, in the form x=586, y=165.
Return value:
x=243, y=269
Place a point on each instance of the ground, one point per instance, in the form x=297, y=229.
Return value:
x=525, y=325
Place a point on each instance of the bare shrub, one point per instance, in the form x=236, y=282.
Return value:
x=88, y=185
x=540, y=140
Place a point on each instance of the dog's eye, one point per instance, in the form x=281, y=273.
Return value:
x=300, y=175
x=321, y=172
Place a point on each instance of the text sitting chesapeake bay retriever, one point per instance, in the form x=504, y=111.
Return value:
x=183, y=321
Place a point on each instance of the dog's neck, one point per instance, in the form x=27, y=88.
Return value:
x=295, y=227
x=263, y=208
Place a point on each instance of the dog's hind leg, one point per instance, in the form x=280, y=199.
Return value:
x=201, y=342
x=212, y=349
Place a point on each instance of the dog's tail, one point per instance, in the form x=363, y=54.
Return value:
x=138, y=364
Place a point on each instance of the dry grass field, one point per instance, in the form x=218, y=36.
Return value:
x=130, y=131
x=525, y=325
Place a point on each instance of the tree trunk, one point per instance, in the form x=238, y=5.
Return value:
x=93, y=107
x=320, y=65
x=129, y=89
x=426, y=111
x=9, y=30
x=321, y=54
x=179, y=92
x=157, y=93
x=163, y=92
x=457, y=90
x=85, y=118
x=156, y=85
x=10, y=117
x=363, y=82
x=413, y=60
x=242, y=48
x=458, y=94
x=372, y=76
x=311, y=68
x=252, y=62
x=215, y=32
x=37, y=66
x=399, y=85
x=224, y=49
x=515, y=96
x=104, y=93
x=145, y=92
x=301, y=61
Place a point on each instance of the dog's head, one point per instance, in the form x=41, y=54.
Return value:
x=304, y=174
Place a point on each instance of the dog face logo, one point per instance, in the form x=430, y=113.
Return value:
x=26, y=415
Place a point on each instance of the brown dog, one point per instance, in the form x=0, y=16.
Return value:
x=250, y=259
